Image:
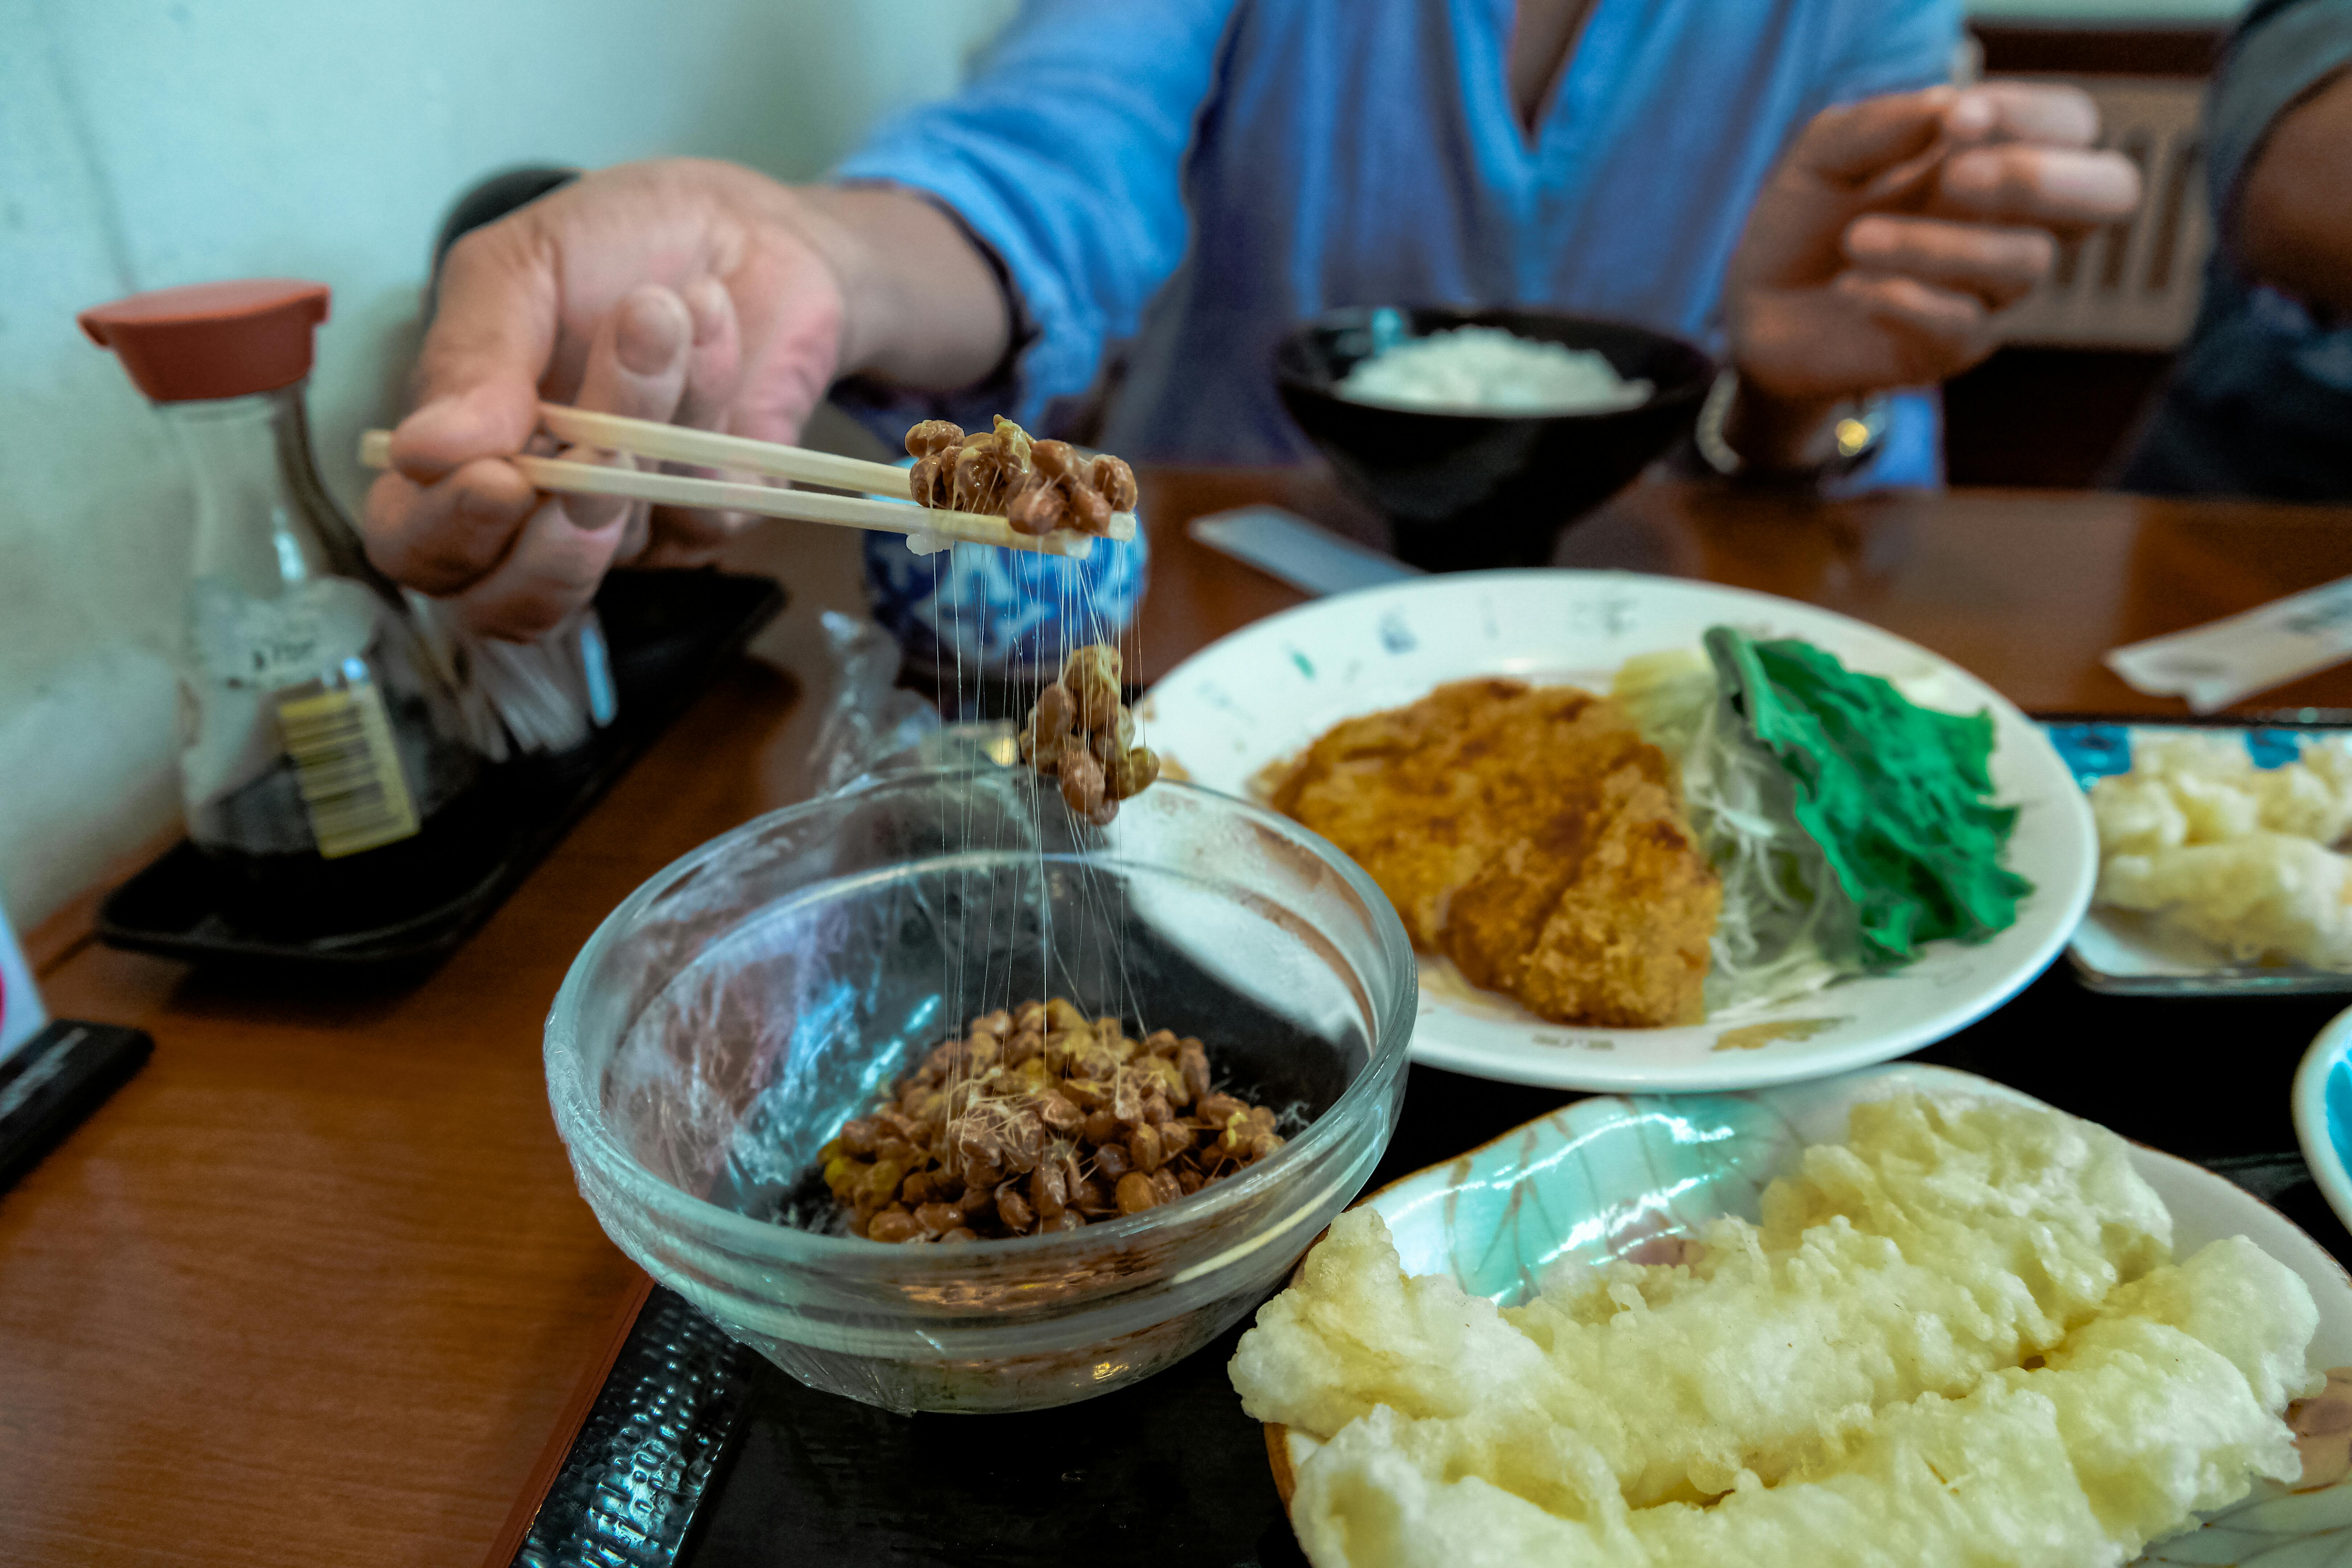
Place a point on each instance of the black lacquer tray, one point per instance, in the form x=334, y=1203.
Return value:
x=728, y=1462
x=669, y=634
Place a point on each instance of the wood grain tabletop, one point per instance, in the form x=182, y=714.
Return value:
x=315, y=1286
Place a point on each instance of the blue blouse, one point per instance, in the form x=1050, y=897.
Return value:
x=1169, y=185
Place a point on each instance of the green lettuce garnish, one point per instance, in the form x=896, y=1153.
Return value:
x=1848, y=824
x=1892, y=792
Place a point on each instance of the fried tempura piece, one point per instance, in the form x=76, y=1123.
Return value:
x=1939, y=1243
x=1530, y=834
x=1955, y=1339
x=2238, y=857
x=2133, y=1426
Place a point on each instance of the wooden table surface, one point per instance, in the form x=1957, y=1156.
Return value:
x=315, y=1286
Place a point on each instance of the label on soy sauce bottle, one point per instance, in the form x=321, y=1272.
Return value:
x=296, y=665
x=347, y=766
x=269, y=644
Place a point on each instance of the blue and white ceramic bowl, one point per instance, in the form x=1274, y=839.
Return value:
x=1622, y=1176
x=1002, y=613
x=2322, y=1112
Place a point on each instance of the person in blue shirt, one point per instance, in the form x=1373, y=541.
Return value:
x=1129, y=203
x=2260, y=402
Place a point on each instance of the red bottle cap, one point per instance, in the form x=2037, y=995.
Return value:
x=213, y=340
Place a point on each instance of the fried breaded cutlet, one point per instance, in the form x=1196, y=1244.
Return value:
x=1530, y=834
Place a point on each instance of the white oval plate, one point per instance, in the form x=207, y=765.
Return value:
x=1599, y=1178
x=2326, y=1133
x=1270, y=689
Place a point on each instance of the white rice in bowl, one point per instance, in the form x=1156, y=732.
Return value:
x=1491, y=370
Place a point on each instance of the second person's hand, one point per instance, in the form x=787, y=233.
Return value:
x=1889, y=237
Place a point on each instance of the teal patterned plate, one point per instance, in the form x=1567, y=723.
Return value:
x=1628, y=1176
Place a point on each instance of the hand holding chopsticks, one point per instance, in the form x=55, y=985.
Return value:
x=677, y=443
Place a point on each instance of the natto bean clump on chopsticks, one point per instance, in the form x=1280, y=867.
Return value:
x=1035, y=486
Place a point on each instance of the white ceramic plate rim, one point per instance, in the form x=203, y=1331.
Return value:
x=1526, y=1050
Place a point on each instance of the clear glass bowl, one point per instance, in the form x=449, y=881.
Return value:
x=732, y=1014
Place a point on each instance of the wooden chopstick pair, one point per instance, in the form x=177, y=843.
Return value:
x=708, y=449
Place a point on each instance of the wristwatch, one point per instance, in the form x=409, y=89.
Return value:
x=1859, y=430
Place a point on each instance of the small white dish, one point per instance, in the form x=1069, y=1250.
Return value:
x=2124, y=953
x=1599, y=1178
x=1270, y=689
x=2323, y=1113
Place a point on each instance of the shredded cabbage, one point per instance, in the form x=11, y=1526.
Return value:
x=1786, y=927
x=1849, y=824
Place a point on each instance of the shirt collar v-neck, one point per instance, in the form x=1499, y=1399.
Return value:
x=1520, y=168
x=1513, y=159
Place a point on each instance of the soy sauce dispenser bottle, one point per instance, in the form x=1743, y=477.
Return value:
x=330, y=765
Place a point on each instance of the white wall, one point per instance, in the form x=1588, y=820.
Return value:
x=150, y=142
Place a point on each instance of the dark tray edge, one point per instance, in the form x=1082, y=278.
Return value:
x=2269, y=719
x=560, y=1438
x=571, y=1511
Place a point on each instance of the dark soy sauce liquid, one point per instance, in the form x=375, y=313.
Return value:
x=304, y=893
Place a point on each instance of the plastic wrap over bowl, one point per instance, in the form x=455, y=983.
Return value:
x=726, y=1020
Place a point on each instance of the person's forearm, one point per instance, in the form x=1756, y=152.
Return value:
x=924, y=307
x=2294, y=216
